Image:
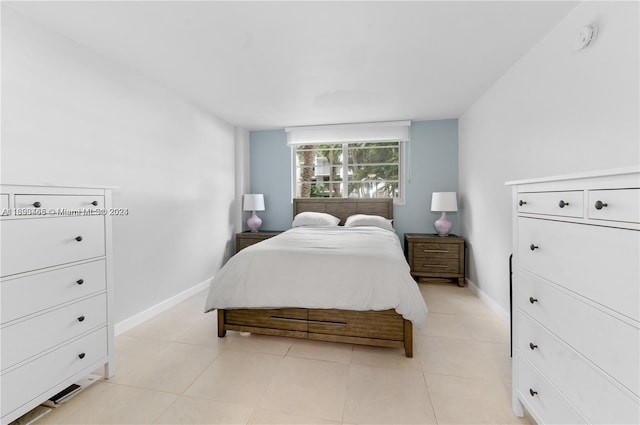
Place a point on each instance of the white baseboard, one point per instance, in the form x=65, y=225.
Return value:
x=147, y=314
x=494, y=306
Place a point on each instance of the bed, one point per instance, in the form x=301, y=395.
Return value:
x=363, y=295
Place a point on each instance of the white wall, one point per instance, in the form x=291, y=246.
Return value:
x=70, y=117
x=243, y=176
x=556, y=111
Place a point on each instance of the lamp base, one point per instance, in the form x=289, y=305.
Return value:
x=254, y=222
x=443, y=225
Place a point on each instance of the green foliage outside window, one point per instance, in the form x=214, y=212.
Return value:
x=361, y=170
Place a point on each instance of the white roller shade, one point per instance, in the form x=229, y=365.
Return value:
x=343, y=133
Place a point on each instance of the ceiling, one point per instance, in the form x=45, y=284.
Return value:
x=263, y=65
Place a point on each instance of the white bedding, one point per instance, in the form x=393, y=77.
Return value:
x=357, y=268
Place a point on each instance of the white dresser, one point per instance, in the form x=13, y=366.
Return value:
x=56, y=290
x=576, y=298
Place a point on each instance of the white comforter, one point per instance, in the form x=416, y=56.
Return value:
x=347, y=268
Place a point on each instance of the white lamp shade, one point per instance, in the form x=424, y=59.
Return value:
x=253, y=202
x=444, y=201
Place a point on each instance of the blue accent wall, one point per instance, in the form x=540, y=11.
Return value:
x=431, y=166
x=270, y=174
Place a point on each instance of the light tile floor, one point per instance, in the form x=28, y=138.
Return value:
x=173, y=369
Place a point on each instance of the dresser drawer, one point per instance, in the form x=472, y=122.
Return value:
x=435, y=265
x=246, y=239
x=616, y=205
x=608, y=342
x=565, y=204
x=294, y=319
x=44, y=242
x=34, y=379
x=545, y=403
x=63, y=202
x=244, y=243
x=586, y=387
x=48, y=289
x=355, y=324
x=53, y=328
x=436, y=250
x=600, y=263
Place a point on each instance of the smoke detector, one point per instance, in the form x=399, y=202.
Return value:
x=586, y=36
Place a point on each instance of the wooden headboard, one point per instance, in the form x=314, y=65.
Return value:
x=345, y=207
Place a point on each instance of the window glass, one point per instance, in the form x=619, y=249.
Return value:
x=357, y=170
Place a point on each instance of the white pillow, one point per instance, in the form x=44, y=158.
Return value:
x=369, y=220
x=309, y=218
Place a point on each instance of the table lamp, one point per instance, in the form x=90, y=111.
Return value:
x=253, y=202
x=443, y=202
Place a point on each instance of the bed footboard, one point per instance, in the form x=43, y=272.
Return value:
x=375, y=328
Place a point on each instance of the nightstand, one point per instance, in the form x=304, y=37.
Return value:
x=430, y=255
x=246, y=239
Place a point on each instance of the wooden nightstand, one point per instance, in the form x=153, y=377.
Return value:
x=430, y=255
x=246, y=239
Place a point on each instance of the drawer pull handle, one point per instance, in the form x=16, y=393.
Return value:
x=324, y=322
x=289, y=319
x=600, y=204
x=562, y=204
x=314, y=322
x=80, y=281
x=532, y=392
x=79, y=238
x=444, y=251
x=442, y=266
x=81, y=355
x=37, y=204
x=533, y=300
x=94, y=203
x=533, y=247
x=81, y=319
x=521, y=203
x=532, y=346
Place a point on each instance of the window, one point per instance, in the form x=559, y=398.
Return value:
x=362, y=160
x=351, y=169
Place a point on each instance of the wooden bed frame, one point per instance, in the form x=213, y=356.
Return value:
x=378, y=328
